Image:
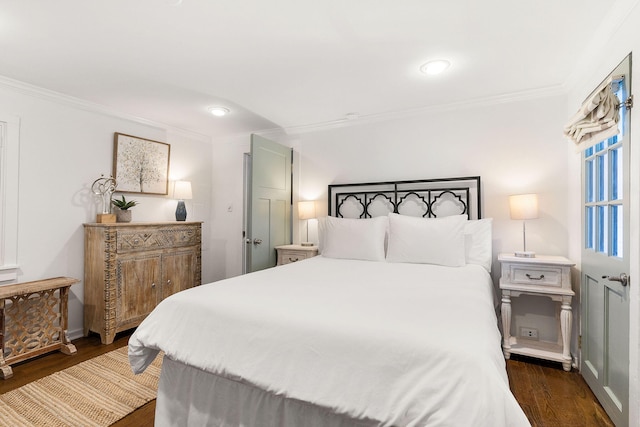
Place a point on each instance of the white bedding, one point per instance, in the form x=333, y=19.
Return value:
x=403, y=344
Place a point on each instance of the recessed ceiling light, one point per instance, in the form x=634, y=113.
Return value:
x=219, y=111
x=435, y=67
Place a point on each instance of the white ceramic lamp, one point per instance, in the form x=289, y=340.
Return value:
x=182, y=192
x=524, y=207
x=307, y=211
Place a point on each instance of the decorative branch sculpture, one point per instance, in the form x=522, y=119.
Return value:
x=104, y=187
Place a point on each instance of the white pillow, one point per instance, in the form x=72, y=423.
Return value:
x=427, y=240
x=477, y=242
x=353, y=238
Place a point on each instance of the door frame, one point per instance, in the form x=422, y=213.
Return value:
x=247, y=232
x=246, y=206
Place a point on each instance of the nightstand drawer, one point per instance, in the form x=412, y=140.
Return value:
x=294, y=253
x=288, y=257
x=536, y=276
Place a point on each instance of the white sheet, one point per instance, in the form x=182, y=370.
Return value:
x=405, y=344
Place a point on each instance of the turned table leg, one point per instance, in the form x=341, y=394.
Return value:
x=506, y=324
x=565, y=327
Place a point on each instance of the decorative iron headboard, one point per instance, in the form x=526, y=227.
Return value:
x=428, y=198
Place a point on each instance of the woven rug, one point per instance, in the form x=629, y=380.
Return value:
x=97, y=392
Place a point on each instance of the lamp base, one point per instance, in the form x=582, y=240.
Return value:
x=181, y=211
x=306, y=244
x=525, y=254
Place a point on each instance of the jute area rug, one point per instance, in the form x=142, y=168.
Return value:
x=97, y=392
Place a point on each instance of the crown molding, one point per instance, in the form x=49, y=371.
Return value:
x=433, y=109
x=61, y=98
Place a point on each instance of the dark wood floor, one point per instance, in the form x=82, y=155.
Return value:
x=551, y=397
x=548, y=395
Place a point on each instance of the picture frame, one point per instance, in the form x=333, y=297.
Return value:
x=140, y=165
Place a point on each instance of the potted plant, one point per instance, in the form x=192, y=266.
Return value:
x=123, y=214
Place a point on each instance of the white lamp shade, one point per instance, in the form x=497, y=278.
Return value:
x=523, y=206
x=307, y=209
x=182, y=190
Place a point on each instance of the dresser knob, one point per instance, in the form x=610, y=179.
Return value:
x=153, y=286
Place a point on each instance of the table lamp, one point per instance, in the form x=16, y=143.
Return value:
x=524, y=207
x=182, y=192
x=307, y=211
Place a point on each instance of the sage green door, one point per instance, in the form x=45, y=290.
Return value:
x=269, y=210
x=605, y=263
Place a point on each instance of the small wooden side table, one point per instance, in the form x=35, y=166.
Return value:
x=292, y=253
x=33, y=320
x=547, y=276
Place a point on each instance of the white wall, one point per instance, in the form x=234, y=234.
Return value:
x=227, y=205
x=63, y=149
x=622, y=29
x=515, y=147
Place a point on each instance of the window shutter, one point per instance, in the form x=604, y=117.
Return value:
x=596, y=120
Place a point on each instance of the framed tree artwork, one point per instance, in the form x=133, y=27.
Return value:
x=140, y=165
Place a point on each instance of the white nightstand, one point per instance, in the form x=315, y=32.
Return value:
x=547, y=276
x=292, y=253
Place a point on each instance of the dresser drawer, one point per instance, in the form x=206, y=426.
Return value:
x=143, y=239
x=541, y=276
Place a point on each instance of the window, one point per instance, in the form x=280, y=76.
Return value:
x=9, y=167
x=603, y=174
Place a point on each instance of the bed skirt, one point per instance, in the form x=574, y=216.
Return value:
x=188, y=396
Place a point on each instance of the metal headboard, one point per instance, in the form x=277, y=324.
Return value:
x=428, y=198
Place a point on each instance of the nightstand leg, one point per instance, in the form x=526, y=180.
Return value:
x=506, y=325
x=565, y=326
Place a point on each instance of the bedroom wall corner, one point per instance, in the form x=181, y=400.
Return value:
x=64, y=147
x=227, y=201
x=227, y=221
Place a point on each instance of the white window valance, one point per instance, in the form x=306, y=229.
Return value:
x=597, y=119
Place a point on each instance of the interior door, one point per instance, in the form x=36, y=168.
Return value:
x=269, y=210
x=605, y=263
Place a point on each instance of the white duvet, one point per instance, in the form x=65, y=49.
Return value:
x=403, y=344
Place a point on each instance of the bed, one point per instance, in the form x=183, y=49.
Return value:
x=392, y=325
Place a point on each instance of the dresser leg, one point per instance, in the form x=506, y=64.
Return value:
x=506, y=325
x=107, y=337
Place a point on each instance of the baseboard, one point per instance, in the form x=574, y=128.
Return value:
x=75, y=334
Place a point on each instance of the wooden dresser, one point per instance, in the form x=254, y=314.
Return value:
x=130, y=267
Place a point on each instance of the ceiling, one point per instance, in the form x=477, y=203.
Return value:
x=289, y=63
